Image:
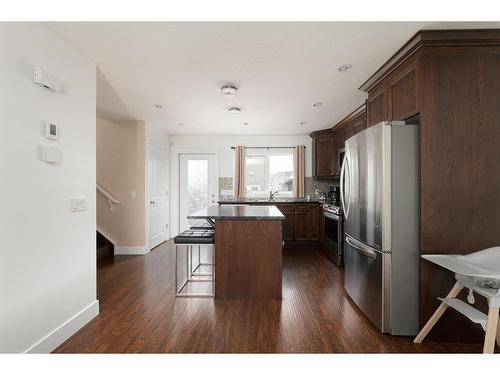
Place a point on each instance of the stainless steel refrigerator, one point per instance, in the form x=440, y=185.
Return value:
x=380, y=195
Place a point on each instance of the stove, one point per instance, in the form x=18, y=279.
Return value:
x=333, y=232
x=332, y=208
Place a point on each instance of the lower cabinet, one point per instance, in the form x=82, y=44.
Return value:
x=301, y=221
x=288, y=228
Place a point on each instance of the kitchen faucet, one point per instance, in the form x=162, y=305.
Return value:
x=272, y=194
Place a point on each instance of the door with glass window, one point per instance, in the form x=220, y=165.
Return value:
x=197, y=188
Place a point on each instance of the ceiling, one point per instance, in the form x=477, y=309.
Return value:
x=280, y=68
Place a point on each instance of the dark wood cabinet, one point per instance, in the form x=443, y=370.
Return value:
x=451, y=80
x=302, y=222
x=323, y=154
x=376, y=105
x=403, y=94
x=328, y=142
x=288, y=229
x=314, y=222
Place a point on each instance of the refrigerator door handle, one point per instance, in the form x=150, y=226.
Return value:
x=342, y=174
x=361, y=248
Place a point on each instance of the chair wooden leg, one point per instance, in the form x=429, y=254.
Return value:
x=437, y=314
x=498, y=332
x=491, y=331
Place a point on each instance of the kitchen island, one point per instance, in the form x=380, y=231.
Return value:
x=248, y=251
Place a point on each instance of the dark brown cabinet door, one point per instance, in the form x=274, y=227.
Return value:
x=403, y=94
x=314, y=222
x=324, y=156
x=376, y=105
x=288, y=227
x=302, y=218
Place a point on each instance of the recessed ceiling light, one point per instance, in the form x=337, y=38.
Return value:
x=344, y=68
x=229, y=91
x=318, y=104
x=180, y=124
x=303, y=123
x=159, y=106
x=234, y=110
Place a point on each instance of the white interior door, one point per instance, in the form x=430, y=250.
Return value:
x=158, y=195
x=197, y=185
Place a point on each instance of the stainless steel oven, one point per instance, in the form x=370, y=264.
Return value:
x=333, y=233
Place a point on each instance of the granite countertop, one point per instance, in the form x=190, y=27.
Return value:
x=234, y=212
x=267, y=200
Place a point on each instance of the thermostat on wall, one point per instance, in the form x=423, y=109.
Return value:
x=51, y=130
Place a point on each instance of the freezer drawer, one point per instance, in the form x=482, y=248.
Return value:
x=366, y=281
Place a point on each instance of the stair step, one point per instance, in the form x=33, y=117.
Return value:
x=465, y=309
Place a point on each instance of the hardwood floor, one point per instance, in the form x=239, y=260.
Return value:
x=139, y=314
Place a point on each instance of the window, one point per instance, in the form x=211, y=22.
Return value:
x=267, y=170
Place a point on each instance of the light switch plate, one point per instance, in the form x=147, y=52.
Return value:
x=78, y=204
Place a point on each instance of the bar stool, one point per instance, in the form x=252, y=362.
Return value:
x=190, y=238
x=197, y=271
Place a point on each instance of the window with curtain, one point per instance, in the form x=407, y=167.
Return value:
x=267, y=170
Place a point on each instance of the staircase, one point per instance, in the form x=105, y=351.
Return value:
x=105, y=248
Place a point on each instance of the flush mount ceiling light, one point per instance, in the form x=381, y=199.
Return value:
x=234, y=110
x=159, y=106
x=344, y=68
x=317, y=104
x=229, y=91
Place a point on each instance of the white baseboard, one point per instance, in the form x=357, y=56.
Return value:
x=131, y=250
x=65, y=330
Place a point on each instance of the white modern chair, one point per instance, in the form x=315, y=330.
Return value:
x=480, y=273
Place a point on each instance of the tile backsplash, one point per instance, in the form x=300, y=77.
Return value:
x=311, y=185
x=226, y=186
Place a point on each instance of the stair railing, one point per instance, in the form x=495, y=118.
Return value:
x=112, y=201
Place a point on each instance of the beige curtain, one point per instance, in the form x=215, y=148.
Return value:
x=239, y=172
x=298, y=171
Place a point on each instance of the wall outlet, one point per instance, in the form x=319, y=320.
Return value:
x=316, y=191
x=133, y=194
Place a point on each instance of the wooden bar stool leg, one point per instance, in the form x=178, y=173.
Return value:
x=498, y=332
x=491, y=331
x=437, y=314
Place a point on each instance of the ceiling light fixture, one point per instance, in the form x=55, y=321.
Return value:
x=159, y=106
x=344, y=68
x=318, y=104
x=180, y=124
x=246, y=123
x=229, y=91
x=302, y=123
x=234, y=110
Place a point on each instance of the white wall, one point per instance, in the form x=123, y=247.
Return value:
x=47, y=253
x=221, y=146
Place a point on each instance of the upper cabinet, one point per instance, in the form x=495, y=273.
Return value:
x=328, y=143
x=395, y=96
x=376, y=105
x=323, y=154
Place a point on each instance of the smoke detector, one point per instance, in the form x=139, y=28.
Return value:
x=234, y=110
x=229, y=91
